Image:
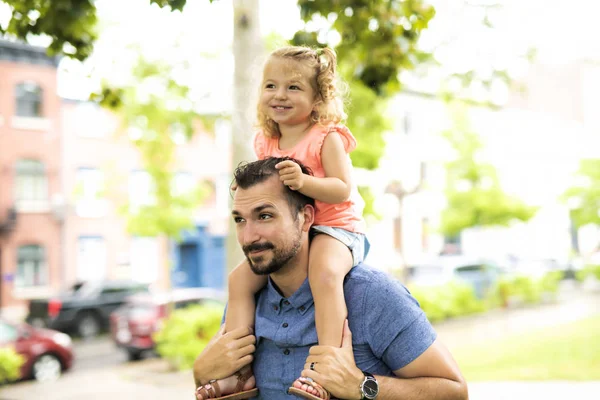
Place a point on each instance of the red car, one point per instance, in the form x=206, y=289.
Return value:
x=47, y=353
x=133, y=324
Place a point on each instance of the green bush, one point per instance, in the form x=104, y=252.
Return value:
x=457, y=299
x=10, y=365
x=186, y=332
x=527, y=289
x=430, y=300
x=549, y=283
x=448, y=301
x=588, y=270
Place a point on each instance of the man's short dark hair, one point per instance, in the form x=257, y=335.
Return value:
x=249, y=174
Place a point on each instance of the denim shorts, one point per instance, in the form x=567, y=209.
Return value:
x=356, y=242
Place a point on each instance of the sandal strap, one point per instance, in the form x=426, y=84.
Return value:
x=322, y=392
x=216, y=388
x=202, y=393
x=242, y=378
x=209, y=391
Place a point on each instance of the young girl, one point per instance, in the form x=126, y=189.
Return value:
x=299, y=113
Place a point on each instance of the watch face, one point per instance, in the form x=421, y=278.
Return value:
x=370, y=388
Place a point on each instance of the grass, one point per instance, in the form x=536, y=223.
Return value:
x=565, y=352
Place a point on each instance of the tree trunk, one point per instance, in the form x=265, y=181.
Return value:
x=247, y=52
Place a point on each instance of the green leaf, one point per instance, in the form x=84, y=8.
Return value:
x=583, y=196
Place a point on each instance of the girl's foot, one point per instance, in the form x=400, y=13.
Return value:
x=309, y=386
x=241, y=381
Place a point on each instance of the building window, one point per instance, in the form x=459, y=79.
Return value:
x=183, y=183
x=89, y=193
x=91, y=258
x=141, y=189
x=29, y=100
x=145, y=257
x=31, y=267
x=31, y=186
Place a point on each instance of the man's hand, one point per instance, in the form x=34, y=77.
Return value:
x=291, y=174
x=335, y=369
x=224, y=355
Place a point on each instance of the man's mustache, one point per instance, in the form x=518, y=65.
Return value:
x=257, y=247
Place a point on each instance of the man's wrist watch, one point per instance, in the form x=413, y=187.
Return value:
x=369, y=388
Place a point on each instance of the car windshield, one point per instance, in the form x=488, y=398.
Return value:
x=84, y=289
x=425, y=273
x=8, y=332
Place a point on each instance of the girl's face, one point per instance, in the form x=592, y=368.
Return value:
x=287, y=96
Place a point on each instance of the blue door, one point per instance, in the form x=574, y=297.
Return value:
x=187, y=275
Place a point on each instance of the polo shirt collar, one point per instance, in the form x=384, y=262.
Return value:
x=301, y=299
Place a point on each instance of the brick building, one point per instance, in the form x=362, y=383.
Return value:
x=30, y=179
x=64, y=173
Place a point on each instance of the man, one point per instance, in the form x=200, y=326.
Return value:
x=389, y=348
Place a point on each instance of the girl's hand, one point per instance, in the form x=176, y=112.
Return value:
x=290, y=174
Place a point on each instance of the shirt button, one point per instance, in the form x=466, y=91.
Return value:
x=287, y=303
x=285, y=325
x=301, y=308
x=286, y=352
x=275, y=308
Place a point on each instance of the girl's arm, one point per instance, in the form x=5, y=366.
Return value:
x=335, y=187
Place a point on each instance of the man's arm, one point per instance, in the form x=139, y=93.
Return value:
x=433, y=375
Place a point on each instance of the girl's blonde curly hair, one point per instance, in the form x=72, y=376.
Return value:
x=329, y=90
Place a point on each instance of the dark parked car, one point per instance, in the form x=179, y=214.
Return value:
x=84, y=309
x=47, y=353
x=132, y=325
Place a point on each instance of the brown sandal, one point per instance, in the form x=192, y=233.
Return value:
x=323, y=393
x=212, y=390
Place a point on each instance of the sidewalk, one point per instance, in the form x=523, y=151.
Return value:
x=145, y=380
x=534, y=390
x=573, y=305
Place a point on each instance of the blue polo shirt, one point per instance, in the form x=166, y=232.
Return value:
x=389, y=329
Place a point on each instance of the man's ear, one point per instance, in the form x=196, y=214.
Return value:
x=308, y=212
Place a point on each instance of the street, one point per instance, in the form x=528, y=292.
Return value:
x=102, y=372
x=96, y=354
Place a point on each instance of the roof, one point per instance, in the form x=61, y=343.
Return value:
x=21, y=52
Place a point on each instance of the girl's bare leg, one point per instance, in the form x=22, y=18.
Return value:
x=329, y=262
x=243, y=285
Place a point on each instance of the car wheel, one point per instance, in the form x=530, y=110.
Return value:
x=88, y=326
x=46, y=368
x=134, y=355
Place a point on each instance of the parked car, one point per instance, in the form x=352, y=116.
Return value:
x=47, y=352
x=481, y=274
x=133, y=324
x=84, y=308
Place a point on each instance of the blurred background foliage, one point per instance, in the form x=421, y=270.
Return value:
x=186, y=332
x=10, y=365
x=473, y=192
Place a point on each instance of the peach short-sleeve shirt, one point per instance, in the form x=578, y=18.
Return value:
x=346, y=215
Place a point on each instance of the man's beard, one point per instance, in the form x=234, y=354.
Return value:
x=279, y=259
